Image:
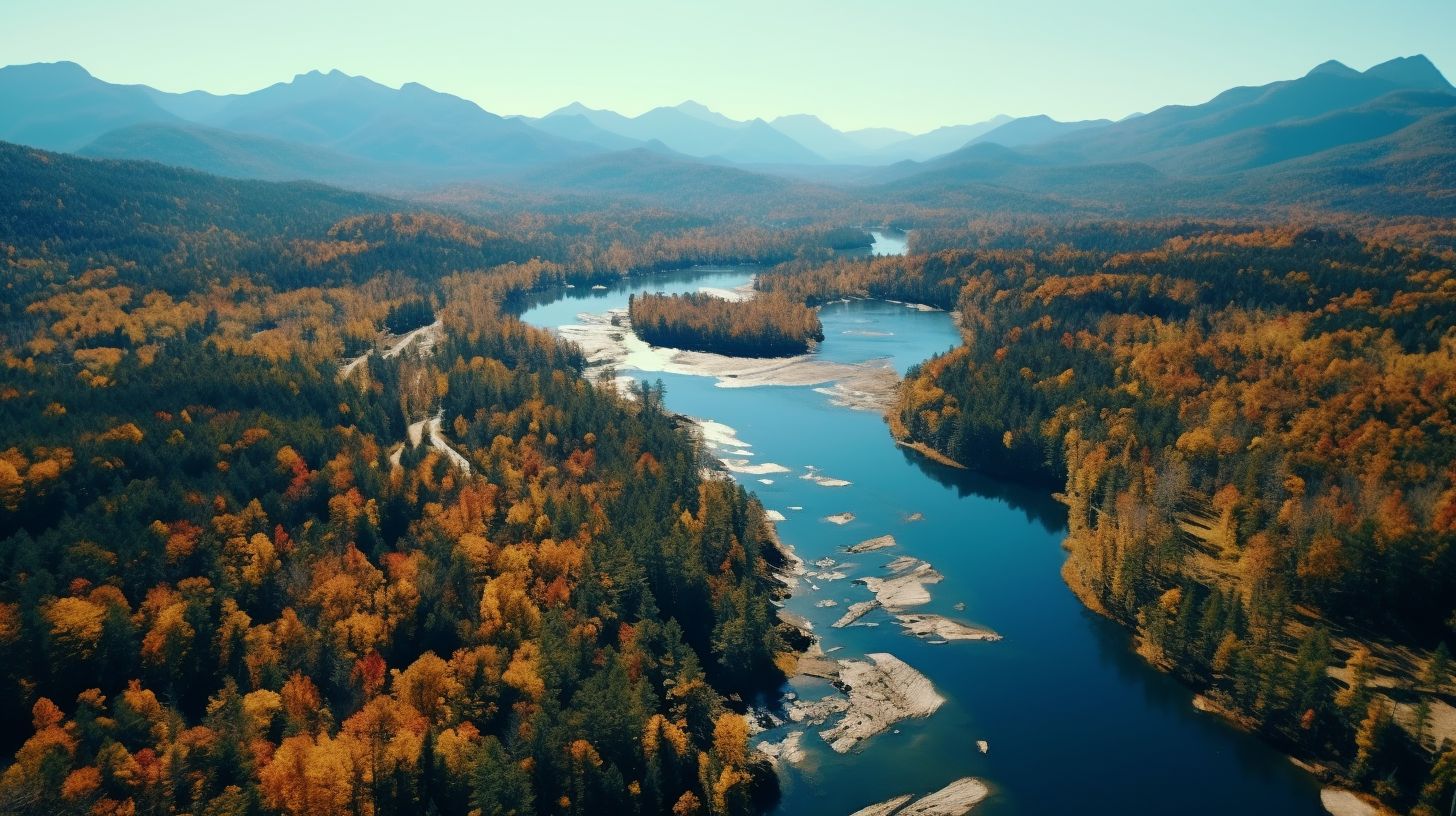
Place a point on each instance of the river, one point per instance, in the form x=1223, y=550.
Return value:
x=1074, y=721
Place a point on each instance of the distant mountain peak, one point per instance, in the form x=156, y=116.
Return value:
x=66, y=66
x=799, y=117
x=574, y=109
x=333, y=78
x=696, y=110
x=1412, y=72
x=1333, y=67
x=702, y=112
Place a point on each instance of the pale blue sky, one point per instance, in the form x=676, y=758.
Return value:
x=910, y=64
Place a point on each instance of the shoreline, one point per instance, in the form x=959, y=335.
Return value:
x=819, y=665
x=931, y=453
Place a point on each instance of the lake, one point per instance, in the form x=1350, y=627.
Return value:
x=1075, y=722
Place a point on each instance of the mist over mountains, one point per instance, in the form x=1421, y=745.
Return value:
x=1335, y=137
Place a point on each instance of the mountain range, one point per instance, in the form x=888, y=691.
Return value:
x=1335, y=137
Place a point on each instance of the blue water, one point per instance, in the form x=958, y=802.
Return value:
x=1076, y=723
x=889, y=242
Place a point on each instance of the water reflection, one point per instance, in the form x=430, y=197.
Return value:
x=1076, y=720
x=1036, y=503
x=1164, y=693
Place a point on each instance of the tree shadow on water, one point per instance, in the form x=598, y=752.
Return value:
x=1036, y=502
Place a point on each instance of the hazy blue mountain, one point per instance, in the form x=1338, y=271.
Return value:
x=412, y=125
x=59, y=106
x=712, y=117
x=1328, y=88
x=610, y=121
x=813, y=133
x=935, y=143
x=874, y=138
x=759, y=143
x=1411, y=72
x=837, y=145
x=694, y=130
x=881, y=145
x=1271, y=144
x=1029, y=130
x=1393, y=154
x=241, y=155
x=580, y=128
x=194, y=106
x=675, y=181
x=1409, y=172
x=1383, y=136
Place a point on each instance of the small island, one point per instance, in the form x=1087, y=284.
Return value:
x=768, y=326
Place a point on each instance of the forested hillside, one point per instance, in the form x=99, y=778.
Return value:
x=234, y=579
x=1252, y=430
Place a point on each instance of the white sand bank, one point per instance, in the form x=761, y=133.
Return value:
x=747, y=467
x=606, y=344
x=737, y=294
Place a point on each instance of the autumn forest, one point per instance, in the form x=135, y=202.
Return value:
x=299, y=517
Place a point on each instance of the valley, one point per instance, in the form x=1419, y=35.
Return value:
x=366, y=452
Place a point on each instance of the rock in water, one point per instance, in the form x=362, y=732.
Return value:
x=952, y=800
x=788, y=749
x=884, y=808
x=880, y=694
x=854, y=613
x=903, y=563
x=877, y=543
x=904, y=590
x=931, y=626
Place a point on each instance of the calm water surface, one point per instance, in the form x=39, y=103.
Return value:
x=1076, y=723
